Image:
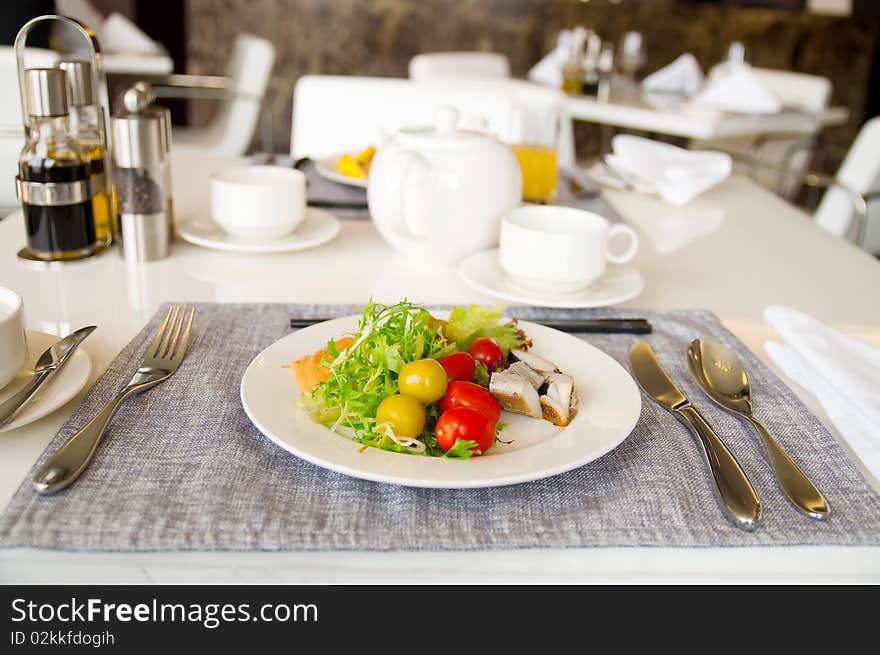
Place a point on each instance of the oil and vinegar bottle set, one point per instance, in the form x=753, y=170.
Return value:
x=70, y=204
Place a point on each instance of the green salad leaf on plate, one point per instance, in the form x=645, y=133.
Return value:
x=365, y=373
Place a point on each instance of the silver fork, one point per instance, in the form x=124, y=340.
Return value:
x=161, y=360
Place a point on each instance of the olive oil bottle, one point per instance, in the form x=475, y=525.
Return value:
x=54, y=174
x=85, y=127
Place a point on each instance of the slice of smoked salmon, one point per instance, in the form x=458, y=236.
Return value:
x=307, y=370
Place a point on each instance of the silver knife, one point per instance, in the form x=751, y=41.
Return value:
x=737, y=495
x=49, y=363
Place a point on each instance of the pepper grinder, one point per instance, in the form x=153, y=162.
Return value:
x=141, y=174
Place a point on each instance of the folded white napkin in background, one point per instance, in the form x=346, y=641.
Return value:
x=118, y=34
x=841, y=372
x=736, y=88
x=675, y=174
x=683, y=76
x=548, y=70
x=82, y=10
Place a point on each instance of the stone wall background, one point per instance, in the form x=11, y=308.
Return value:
x=378, y=37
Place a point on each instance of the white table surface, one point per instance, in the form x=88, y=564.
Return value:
x=736, y=250
x=630, y=110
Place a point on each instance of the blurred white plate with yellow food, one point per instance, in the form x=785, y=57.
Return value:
x=352, y=169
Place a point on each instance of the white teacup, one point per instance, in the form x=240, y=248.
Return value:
x=13, y=338
x=559, y=250
x=260, y=203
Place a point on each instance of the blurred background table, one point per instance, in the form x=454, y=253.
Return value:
x=679, y=119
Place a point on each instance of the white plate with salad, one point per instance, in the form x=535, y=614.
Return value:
x=401, y=396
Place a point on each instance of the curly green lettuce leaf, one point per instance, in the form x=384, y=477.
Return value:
x=461, y=449
x=508, y=336
x=464, y=322
x=481, y=374
x=365, y=373
x=468, y=323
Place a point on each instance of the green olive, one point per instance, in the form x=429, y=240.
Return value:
x=403, y=413
x=424, y=379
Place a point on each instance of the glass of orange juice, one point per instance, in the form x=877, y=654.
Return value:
x=535, y=149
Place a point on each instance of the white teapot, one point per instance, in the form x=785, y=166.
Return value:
x=440, y=191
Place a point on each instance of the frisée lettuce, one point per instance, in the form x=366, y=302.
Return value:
x=365, y=373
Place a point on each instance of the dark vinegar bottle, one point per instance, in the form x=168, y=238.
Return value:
x=54, y=175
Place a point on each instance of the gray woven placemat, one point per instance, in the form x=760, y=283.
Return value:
x=182, y=468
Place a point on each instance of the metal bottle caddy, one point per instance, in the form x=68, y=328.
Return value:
x=52, y=192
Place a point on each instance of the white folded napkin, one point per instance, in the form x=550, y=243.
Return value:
x=683, y=76
x=82, y=10
x=118, y=34
x=675, y=174
x=736, y=88
x=841, y=372
x=548, y=70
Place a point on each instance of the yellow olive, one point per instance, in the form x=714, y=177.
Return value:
x=424, y=379
x=404, y=413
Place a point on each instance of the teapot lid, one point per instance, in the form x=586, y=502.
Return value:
x=447, y=130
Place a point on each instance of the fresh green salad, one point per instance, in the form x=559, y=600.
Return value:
x=411, y=383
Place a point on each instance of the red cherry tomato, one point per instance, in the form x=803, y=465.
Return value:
x=488, y=351
x=472, y=396
x=467, y=425
x=459, y=366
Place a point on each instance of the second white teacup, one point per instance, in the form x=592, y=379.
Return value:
x=13, y=338
x=559, y=250
x=260, y=203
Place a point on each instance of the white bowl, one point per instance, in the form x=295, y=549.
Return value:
x=261, y=203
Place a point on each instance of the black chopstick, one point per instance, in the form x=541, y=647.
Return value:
x=597, y=325
x=574, y=325
x=338, y=204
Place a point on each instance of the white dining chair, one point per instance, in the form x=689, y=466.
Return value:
x=431, y=65
x=334, y=114
x=850, y=207
x=488, y=67
x=779, y=160
x=240, y=94
x=11, y=124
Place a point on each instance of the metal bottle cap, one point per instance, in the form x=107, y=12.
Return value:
x=79, y=82
x=139, y=140
x=142, y=134
x=46, y=92
x=139, y=99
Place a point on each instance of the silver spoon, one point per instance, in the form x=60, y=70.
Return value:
x=721, y=375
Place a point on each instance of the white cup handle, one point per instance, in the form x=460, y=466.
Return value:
x=630, y=252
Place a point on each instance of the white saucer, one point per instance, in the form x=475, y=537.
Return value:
x=319, y=227
x=55, y=392
x=482, y=272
